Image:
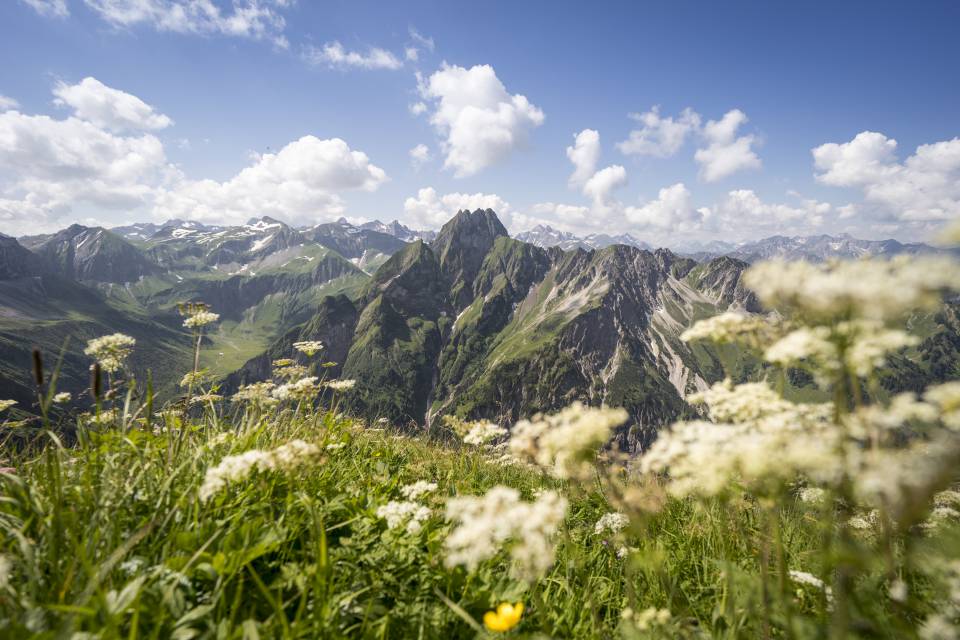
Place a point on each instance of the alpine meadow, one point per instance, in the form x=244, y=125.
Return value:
x=696, y=377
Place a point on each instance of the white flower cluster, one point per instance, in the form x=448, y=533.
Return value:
x=483, y=432
x=258, y=394
x=760, y=438
x=308, y=347
x=200, y=319
x=417, y=489
x=341, y=385
x=611, y=523
x=947, y=397
x=193, y=378
x=487, y=523
x=866, y=345
x=647, y=619
x=303, y=389
x=6, y=404
x=856, y=289
x=398, y=514
x=732, y=326
x=238, y=467
x=62, y=397
x=110, y=351
x=566, y=443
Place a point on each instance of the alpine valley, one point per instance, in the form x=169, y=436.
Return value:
x=466, y=321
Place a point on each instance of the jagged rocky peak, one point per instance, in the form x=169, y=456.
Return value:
x=461, y=247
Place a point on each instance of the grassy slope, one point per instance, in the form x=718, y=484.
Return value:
x=303, y=554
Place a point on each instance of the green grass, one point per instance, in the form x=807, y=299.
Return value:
x=109, y=536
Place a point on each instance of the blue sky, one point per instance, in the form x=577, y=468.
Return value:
x=765, y=84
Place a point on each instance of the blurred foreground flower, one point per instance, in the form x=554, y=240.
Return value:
x=506, y=617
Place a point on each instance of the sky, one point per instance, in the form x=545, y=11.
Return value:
x=678, y=122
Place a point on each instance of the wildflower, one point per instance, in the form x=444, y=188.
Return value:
x=238, y=467
x=858, y=289
x=417, y=489
x=506, y=617
x=6, y=404
x=812, y=495
x=193, y=378
x=486, y=523
x=106, y=416
x=732, y=326
x=810, y=580
x=805, y=343
x=200, y=319
x=398, y=513
x=947, y=397
x=62, y=397
x=280, y=363
x=110, y=351
x=341, y=385
x=898, y=591
x=308, y=347
x=648, y=618
x=483, y=432
x=566, y=443
x=257, y=394
x=206, y=398
x=613, y=523
x=336, y=446
x=303, y=389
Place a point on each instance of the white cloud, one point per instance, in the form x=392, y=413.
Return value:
x=109, y=108
x=254, y=19
x=51, y=168
x=672, y=210
x=300, y=183
x=335, y=56
x=417, y=108
x=7, y=103
x=49, y=8
x=430, y=210
x=584, y=154
x=419, y=155
x=57, y=164
x=562, y=215
x=744, y=208
x=925, y=187
x=601, y=185
x=481, y=123
x=411, y=53
x=659, y=136
x=726, y=153
x=423, y=41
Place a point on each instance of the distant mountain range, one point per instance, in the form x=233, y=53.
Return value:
x=466, y=321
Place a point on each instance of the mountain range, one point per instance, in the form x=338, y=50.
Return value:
x=465, y=322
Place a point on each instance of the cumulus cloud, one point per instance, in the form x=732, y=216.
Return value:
x=673, y=209
x=254, y=19
x=584, y=154
x=726, y=153
x=430, y=210
x=480, y=122
x=419, y=155
x=561, y=215
x=7, y=103
x=56, y=164
x=109, y=108
x=923, y=188
x=333, y=55
x=601, y=184
x=417, y=108
x=55, y=167
x=659, y=136
x=49, y=8
x=744, y=207
x=300, y=183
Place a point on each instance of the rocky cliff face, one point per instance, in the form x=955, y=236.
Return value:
x=17, y=261
x=93, y=253
x=479, y=325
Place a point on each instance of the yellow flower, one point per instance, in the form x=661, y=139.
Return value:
x=506, y=617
